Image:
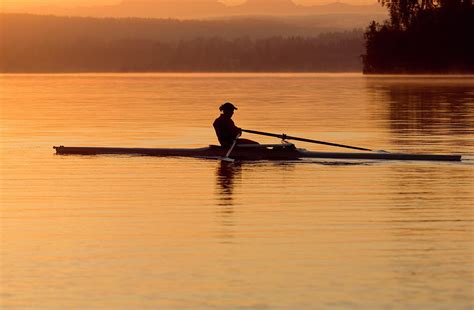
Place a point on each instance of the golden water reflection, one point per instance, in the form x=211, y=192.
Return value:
x=169, y=233
x=426, y=111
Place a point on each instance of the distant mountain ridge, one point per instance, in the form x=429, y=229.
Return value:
x=186, y=9
x=21, y=26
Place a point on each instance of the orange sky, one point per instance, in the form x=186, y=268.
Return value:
x=12, y=4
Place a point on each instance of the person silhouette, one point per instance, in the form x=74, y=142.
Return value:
x=225, y=128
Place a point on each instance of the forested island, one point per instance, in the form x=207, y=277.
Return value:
x=34, y=43
x=429, y=36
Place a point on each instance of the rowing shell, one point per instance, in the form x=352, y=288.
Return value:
x=252, y=152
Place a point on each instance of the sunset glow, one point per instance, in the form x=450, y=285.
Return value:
x=32, y=4
x=10, y=4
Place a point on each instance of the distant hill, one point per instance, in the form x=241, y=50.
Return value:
x=191, y=9
x=23, y=26
x=34, y=43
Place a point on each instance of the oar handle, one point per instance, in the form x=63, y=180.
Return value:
x=285, y=137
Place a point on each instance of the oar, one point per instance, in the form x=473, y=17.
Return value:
x=227, y=158
x=285, y=137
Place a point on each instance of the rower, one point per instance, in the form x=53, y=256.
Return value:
x=225, y=128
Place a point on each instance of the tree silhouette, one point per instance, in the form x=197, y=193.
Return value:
x=422, y=37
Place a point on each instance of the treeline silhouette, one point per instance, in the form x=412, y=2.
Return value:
x=31, y=47
x=432, y=36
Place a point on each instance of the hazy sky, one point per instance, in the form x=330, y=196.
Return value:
x=11, y=4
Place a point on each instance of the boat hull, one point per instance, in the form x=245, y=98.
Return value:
x=256, y=153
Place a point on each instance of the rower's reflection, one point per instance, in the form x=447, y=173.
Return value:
x=225, y=175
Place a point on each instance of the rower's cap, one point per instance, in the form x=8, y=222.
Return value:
x=227, y=106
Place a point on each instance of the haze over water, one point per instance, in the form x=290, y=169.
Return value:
x=131, y=232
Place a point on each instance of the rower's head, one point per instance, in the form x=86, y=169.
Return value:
x=228, y=109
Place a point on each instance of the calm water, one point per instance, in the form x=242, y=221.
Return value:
x=128, y=232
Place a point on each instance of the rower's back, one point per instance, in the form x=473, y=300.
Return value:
x=226, y=130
